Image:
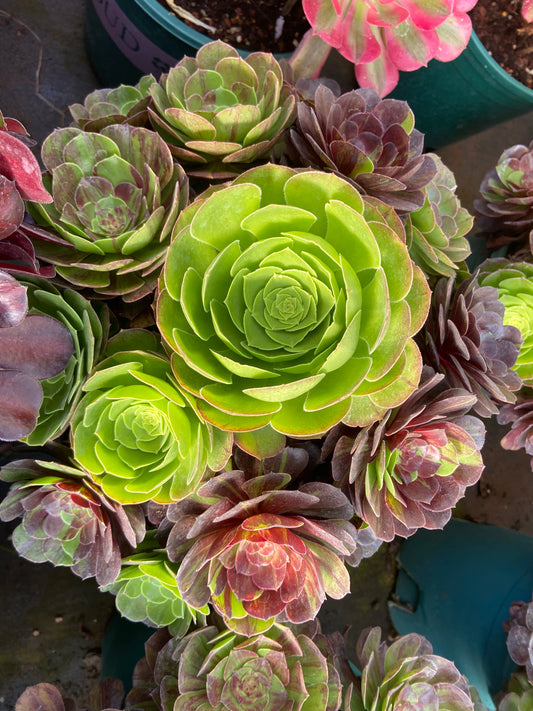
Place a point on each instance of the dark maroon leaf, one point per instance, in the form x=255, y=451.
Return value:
x=39, y=346
x=20, y=400
x=18, y=163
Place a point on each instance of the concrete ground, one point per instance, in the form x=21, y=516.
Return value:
x=52, y=623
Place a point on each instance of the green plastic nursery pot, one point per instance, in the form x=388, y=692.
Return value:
x=452, y=100
x=455, y=587
x=126, y=39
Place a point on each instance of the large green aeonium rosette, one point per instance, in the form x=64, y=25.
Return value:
x=138, y=436
x=291, y=301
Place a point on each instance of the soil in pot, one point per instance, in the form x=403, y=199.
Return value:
x=506, y=36
x=256, y=25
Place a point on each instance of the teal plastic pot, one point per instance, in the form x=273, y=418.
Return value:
x=455, y=587
x=453, y=100
x=126, y=39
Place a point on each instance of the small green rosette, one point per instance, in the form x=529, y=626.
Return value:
x=146, y=591
x=141, y=438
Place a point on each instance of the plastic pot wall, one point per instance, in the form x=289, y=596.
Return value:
x=455, y=587
x=126, y=39
x=453, y=100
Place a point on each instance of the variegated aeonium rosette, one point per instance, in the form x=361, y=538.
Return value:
x=116, y=194
x=409, y=470
x=138, y=435
x=218, y=111
x=465, y=338
x=407, y=675
x=290, y=302
x=261, y=552
x=278, y=670
x=68, y=520
x=384, y=37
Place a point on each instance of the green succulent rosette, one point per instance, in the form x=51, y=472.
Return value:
x=218, y=110
x=123, y=104
x=514, y=282
x=116, y=194
x=288, y=301
x=146, y=591
x=436, y=232
x=275, y=671
x=519, y=696
x=88, y=324
x=407, y=675
x=138, y=436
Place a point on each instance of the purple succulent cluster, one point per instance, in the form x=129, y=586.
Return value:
x=370, y=141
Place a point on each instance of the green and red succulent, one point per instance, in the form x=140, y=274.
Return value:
x=218, y=111
x=407, y=675
x=278, y=670
x=409, y=470
x=261, y=552
x=505, y=208
x=67, y=520
x=117, y=194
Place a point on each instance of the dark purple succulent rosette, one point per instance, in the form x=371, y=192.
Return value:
x=465, y=338
x=368, y=140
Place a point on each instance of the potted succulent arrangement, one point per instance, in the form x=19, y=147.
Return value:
x=265, y=356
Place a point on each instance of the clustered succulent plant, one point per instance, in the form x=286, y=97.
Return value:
x=225, y=398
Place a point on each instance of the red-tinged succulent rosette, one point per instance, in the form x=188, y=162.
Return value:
x=261, y=553
x=409, y=470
